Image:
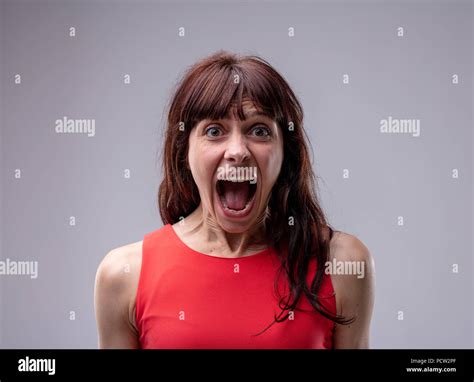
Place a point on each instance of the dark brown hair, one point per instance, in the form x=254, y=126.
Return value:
x=208, y=91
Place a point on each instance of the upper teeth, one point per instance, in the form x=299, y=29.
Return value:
x=239, y=180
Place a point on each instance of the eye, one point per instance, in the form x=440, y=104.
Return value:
x=261, y=131
x=212, y=131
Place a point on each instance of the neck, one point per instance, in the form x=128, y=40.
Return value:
x=201, y=228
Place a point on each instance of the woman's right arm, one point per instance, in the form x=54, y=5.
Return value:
x=114, y=298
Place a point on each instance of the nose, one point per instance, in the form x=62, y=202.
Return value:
x=237, y=150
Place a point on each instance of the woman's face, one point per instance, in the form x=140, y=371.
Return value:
x=235, y=165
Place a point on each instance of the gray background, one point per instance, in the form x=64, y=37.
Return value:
x=391, y=175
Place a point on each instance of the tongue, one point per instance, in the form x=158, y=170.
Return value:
x=236, y=194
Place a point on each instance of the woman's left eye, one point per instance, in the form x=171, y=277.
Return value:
x=262, y=131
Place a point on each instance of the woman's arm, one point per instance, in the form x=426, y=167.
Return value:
x=355, y=293
x=114, y=297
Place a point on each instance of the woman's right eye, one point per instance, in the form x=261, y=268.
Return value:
x=212, y=131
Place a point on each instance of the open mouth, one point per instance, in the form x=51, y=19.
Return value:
x=236, y=196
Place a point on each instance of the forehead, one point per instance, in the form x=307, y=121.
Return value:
x=249, y=109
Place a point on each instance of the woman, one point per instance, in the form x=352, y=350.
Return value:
x=245, y=257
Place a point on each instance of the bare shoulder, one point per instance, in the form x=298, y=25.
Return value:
x=352, y=270
x=117, y=278
x=347, y=247
x=119, y=262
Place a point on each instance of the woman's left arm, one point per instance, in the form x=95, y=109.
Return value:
x=355, y=291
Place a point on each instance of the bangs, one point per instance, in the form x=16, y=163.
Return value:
x=219, y=90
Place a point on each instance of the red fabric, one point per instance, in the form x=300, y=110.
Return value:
x=190, y=300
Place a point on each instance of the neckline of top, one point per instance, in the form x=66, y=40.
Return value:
x=257, y=255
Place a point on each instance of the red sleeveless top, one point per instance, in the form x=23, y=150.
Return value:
x=189, y=300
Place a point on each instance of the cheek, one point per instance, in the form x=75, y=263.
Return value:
x=270, y=164
x=202, y=161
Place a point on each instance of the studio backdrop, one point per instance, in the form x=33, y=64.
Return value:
x=386, y=89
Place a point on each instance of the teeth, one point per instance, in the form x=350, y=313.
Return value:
x=236, y=180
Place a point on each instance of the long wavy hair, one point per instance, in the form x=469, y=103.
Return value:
x=295, y=223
